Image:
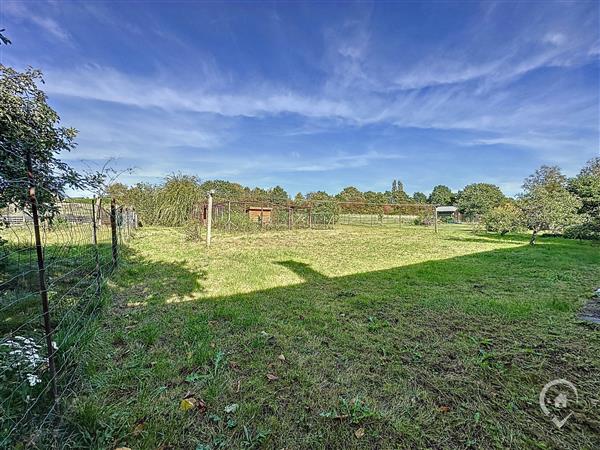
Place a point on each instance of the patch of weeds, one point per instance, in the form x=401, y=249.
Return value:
x=355, y=410
x=254, y=439
x=376, y=324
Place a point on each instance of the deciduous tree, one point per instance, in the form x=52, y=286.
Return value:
x=30, y=129
x=419, y=197
x=441, y=195
x=478, y=199
x=546, y=202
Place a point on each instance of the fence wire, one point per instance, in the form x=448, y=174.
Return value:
x=236, y=216
x=40, y=347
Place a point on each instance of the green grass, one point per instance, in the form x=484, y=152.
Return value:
x=420, y=340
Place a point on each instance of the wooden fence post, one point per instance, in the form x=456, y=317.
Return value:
x=228, y=216
x=435, y=218
x=261, y=218
x=209, y=218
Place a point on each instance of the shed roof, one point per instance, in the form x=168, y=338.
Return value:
x=447, y=209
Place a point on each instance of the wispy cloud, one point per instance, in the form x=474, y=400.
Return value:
x=22, y=12
x=230, y=93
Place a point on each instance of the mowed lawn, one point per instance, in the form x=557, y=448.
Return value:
x=358, y=337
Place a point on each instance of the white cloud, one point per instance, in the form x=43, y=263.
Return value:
x=22, y=12
x=554, y=38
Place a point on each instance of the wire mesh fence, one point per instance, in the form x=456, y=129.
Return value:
x=236, y=216
x=52, y=270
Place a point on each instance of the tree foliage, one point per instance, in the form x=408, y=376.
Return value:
x=350, y=194
x=441, y=195
x=3, y=39
x=505, y=218
x=278, y=195
x=478, y=199
x=419, y=197
x=546, y=202
x=30, y=128
x=586, y=186
x=397, y=195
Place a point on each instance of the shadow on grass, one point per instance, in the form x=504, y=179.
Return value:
x=440, y=352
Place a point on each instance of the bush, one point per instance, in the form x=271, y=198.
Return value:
x=589, y=230
x=423, y=218
x=504, y=219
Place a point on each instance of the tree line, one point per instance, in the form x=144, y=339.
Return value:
x=31, y=134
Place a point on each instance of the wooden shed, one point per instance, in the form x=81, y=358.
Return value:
x=259, y=214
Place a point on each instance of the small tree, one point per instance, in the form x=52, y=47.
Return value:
x=279, y=195
x=546, y=202
x=503, y=219
x=30, y=133
x=479, y=198
x=419, y=197
x=441, y=195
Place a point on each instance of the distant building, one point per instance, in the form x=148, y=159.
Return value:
x=449, y=211
x=259, y=214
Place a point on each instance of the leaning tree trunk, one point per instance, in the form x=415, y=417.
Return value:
x=533, y=237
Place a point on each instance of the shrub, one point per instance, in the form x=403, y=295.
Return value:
x=423, y=218
x=589, y=230
x=504, y=219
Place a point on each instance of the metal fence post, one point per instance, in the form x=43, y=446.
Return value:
x=42, y=278
x=113, y=232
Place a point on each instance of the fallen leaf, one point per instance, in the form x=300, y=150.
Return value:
x=272, y=377
x=359, y=433
x=444, y=409
x=229, y=409
x=281, y=358
x=201, y=406
x=187, y=404
x=138, y=428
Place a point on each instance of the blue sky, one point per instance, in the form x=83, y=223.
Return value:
x=317, y=96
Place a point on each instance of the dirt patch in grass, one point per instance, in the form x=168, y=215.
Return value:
x=591, y=311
